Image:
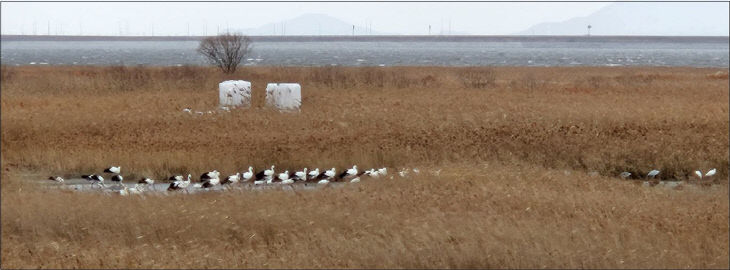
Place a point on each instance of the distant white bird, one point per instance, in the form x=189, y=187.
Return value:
x=113, y=169
x=198, y=113
x=314, y=173
x=209, y=175
x=403, y=172
x=288, y=181
x=698, y=173
x=416, y=170
x=323, y=182
x=625, y=175
x=126, y=191
x=355, y=180
x=248, y=175
x=263, y=173
x=348, y=173
x=56, y=178
x=259, y=182
x=383, y=171
x=180, y=184
x=329, y=173
x=283, y=176
x=94, y=179
x=711, y=172
x=117, y=178
x=231, y=179
x=147, y=181
x=652, y=173
x=210, y=183
x=300, y=175
x=187, y=110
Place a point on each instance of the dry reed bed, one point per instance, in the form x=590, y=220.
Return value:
x=492, y=216
x=71, y=120
x=504, y=137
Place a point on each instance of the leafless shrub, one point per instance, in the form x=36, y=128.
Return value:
x=225, y=51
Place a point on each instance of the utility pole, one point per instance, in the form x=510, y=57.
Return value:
x=429, y=29
x=353, y=30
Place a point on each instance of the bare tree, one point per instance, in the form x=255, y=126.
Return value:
x=226, y=50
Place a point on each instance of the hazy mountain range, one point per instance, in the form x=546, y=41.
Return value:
x=624, y=18
x=656, y=19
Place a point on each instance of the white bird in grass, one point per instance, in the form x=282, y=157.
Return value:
x=262, y=174
x=625, y=175
x=698, y=173
x=209, y=183
x=416, y=170
x=283, y=176
x=117, y=178
x=248, y=175
x=383, y=171
x=711, y=172
x=134, y=190
x=209, y=175
x=314, y=173
x=180, y=184
x=56, y=178
x=300, y=175
x=652, y=173
x=187, y=110
x=329, y=173
x=348, y=173
x=403, y=173
x=231, y=179
x=323, y=182
x=355, y=180
x=94, y=179
x=113, y=169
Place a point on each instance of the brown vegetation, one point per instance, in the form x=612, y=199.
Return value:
x=504, y=135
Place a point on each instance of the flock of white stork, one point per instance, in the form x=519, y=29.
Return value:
x=263, y=177
x=270, y=177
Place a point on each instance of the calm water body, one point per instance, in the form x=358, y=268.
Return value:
x=400, y=53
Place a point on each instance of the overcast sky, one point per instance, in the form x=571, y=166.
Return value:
x=206, y=18
x=173, y=18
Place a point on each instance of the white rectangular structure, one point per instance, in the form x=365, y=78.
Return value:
x=284, y=96
x=235, y=93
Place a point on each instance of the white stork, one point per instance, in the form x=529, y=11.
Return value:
x=652, y=173
x=314, y=173
x=113, y=169
x=247, y=175
x=56, y=178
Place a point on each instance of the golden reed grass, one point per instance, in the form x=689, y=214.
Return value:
x=516, y=144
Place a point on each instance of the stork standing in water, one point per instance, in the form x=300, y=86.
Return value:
x=264, y=173
x=348, y=173
x=231, y=179
x=314, y=173
x=180, y=184
x=209, y=175
x=247, y=175
x=148, y=182
x=113, y=169
x=95, y=180
x=300, y=175
x=57, y=179
x=117, y=178
x=652, y=174
x=283, y=176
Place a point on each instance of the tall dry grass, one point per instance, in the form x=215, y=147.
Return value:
x=516, y=144
x=76, y=120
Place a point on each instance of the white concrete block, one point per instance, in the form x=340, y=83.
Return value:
x=235, y=93
x=284, y=96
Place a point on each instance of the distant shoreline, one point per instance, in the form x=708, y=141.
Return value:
x=386, y=38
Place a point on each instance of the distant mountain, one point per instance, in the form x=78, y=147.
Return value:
x=311, y=24
x=654, y=19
